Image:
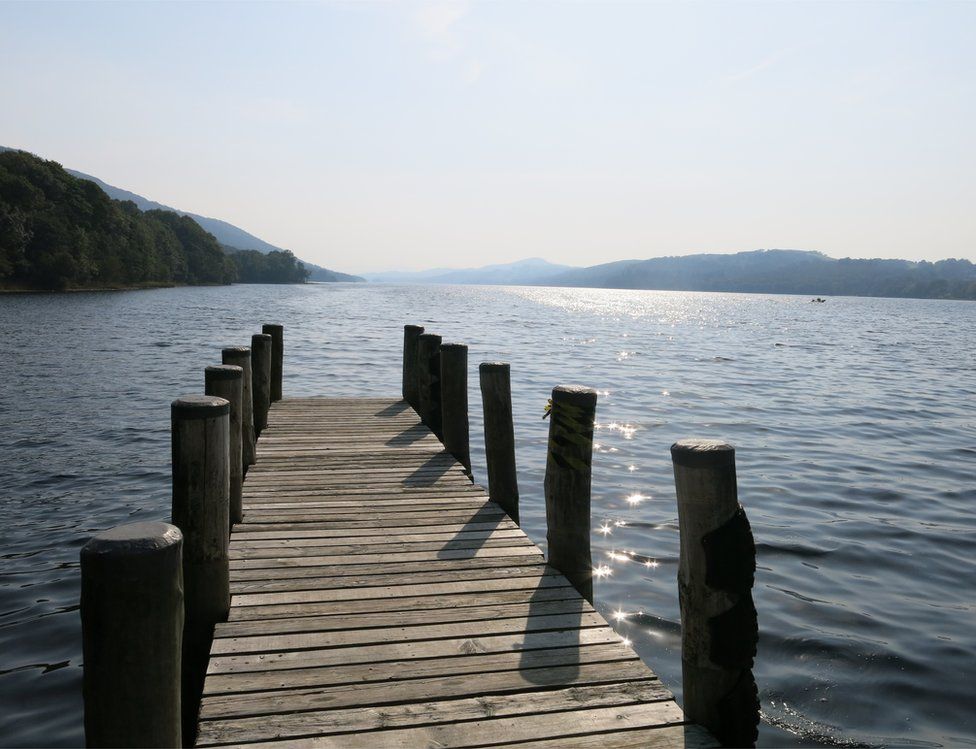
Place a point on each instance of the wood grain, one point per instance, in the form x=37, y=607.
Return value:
x=380, y=599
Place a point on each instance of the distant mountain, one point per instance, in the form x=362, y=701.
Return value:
x=781, y=272
x=225, y=233
x=532, y=270
x=758, y=271
x=232, y=237
x=318, y=273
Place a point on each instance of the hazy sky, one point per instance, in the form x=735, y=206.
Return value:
x=369, y=136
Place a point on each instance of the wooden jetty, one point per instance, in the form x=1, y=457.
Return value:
x=343, y=583
x=379, y=599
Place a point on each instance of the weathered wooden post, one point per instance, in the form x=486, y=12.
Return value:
x=277, y=333
x=717, y=565
x=429, y=381
x=261, y=366
x=227, y=381
x=132, y=634
x=201, y=489
x=454, y=401
x=240, y=356
x=496, y=400
x=567, y=484
x=410, y=335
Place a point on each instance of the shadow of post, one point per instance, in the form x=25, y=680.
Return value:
x=551, y=655
x=408, y=436
x=470, y=539
x=394, y=409
x=431, y=471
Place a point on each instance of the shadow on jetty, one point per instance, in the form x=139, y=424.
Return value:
x=408, y=436
x=431, y=470
x=394, y=409
x=472, y=536
x=551, y=649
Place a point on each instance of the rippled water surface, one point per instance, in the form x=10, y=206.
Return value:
x=853, y=423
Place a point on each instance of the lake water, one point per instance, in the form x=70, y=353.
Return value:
x=853, y=423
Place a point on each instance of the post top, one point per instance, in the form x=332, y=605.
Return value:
x=199, y=407
x=577, y=395
x=272, y=327
x=494, y=366
x=699, y=453
x=413, y=329
x=132, y=539
x=429, y=337
x=236, y=351
x=260, y=338
x=224, y=372
x=455, y=346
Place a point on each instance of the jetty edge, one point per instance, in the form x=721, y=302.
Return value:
x=377, y=597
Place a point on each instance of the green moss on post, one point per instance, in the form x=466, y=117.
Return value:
x=567, y=484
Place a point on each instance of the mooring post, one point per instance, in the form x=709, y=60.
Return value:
x=277, y=333
x=410, y=335
x=454, y=402
x=261, y=365
x=429, y=381
x=240, y=356
x=227, y=381
x=201, y=489
x=132, y=634
x=567, y=484
x=496, y=401
x=717, y=564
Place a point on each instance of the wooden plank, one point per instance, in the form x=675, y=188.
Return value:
x=367, y=493
x=323, y=722
x=396, y=605
x=300, y=678
x=345, y=638
x=380, y=539
x=259, y=513
x=322, y=621
x=406, y=650
x=385, y=559
x=684, y=736
x=399, y=590
x=521, y=729
x=503, y=573
x=439, y=687
x=379, y=520
x=282, y=550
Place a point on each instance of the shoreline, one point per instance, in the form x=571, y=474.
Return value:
x=96, y=288
x=143, y=287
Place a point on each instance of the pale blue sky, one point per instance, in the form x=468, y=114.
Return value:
x=370, y=136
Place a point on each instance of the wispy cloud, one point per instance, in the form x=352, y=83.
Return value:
x=770, y=61
x=437, y=24
x=762, y=65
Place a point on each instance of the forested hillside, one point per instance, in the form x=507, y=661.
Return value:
x=781, y=272
x=277, y=266
x=60, y=232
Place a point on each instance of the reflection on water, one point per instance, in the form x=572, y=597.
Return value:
x=853, y=423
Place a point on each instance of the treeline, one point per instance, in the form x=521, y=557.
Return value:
x=60, y=232
x=783, y=272
x=274, y=267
